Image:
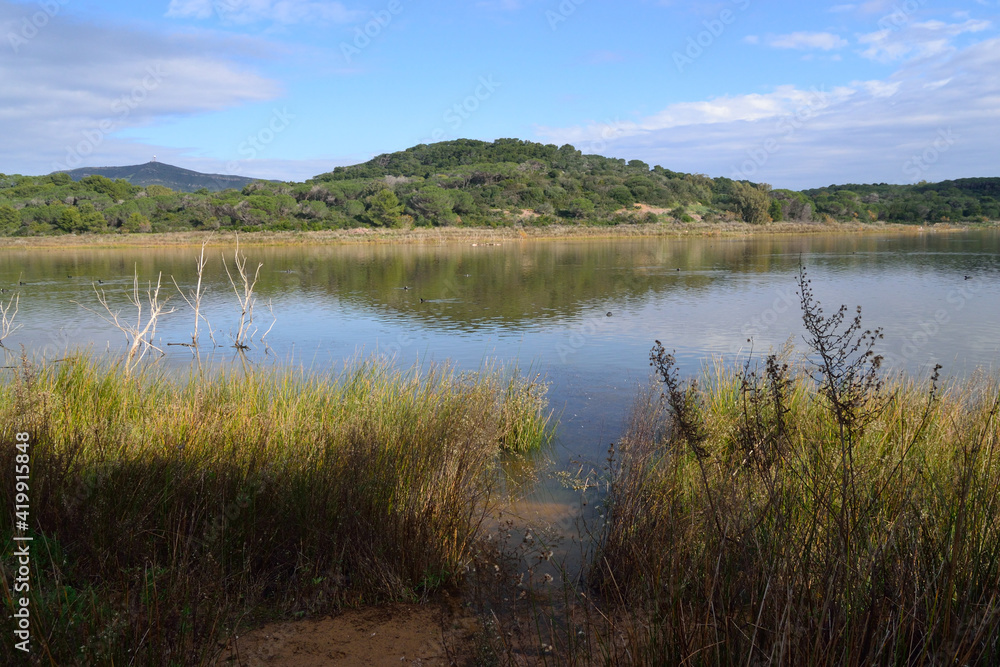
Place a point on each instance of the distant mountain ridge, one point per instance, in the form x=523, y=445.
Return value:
x=167, y=175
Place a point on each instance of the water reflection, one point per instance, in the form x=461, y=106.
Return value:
x=544, y=303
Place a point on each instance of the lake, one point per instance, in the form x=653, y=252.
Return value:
x=582, y=313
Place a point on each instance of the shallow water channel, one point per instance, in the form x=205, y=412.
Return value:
x=582, y=313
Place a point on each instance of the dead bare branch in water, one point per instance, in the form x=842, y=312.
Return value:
x=140, y=335
x=274, y=320
x=194, y=298
x=246, y=299
x=7, y=326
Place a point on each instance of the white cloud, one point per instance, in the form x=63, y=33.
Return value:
x=916, y=40
x=252, y=11
x=953, y=29
x=277, y=169
x=881, y=88
x=868, y=131
x=71, y=89
x=783, y=101
x=934, y=85
x=825, y=41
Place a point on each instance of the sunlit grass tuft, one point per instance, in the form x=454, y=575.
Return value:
x=167, y=510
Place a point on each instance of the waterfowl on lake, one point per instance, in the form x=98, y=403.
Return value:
x=609, y=314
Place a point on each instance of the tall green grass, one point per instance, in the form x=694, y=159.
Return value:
x=769, y=546
x=167, y=512
x=818, y=513
x=756, y=535
x=830, y=516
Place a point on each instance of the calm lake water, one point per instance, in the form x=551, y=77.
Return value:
x=582, y=313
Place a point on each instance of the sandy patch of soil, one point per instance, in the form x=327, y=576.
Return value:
x=645, y=208
x=399, y=634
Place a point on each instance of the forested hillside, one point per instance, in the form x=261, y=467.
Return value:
x=465, y=182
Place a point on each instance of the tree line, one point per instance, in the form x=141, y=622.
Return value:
x=474, y=183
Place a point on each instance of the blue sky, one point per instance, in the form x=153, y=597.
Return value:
x=794, y=94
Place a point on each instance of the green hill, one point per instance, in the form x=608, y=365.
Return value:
x=158, y=173
x=463, y=182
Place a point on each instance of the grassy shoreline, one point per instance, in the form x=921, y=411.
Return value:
x=785, y=534
x=437, y=235
x=747, y=522
x=815, y=512
x=756, y=515
x=167, y=514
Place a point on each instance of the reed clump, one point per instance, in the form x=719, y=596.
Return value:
x=784, y=512
x=820, y=515
x=168, y=514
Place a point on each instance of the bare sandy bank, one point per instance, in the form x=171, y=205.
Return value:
x=471, y=235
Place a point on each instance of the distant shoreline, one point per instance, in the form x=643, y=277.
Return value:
x=485, y=235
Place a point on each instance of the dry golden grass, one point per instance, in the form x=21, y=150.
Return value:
x=427, y=235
